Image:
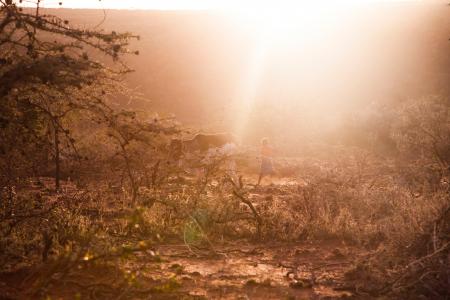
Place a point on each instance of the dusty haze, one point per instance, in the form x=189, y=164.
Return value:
x=196, y=65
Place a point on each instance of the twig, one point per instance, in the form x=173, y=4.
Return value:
x=400, y=278
x=428, y=256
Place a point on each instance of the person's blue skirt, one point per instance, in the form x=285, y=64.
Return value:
x=266, y=166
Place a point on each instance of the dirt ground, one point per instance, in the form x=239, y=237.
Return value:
x=238, y=270
x=313, y=270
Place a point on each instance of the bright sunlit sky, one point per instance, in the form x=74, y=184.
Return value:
x=301, y=30
x=203, y=4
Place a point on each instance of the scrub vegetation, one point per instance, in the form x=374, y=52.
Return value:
x=96, y=204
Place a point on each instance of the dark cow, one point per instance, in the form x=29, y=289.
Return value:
x=201, y=142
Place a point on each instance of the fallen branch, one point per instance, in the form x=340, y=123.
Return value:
x=253, y=209
x=236, y=192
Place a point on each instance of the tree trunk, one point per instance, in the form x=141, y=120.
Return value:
x=134, y=187
x=57, y=160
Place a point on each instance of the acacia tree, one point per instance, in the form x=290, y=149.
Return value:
x=53, y=92
x=50, y=78
x=46, y=74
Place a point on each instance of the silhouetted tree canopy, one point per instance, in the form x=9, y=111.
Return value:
x=52, y=73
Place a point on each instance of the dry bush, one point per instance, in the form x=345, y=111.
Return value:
x=136, y=191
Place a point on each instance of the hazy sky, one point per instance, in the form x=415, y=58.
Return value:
x=198, y=4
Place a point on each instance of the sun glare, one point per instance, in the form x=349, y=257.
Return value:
x=295, y=28
x=285, y=26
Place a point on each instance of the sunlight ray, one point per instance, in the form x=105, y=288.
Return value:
x=248, y=88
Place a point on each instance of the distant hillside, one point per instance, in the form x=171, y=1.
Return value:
x=192, y=63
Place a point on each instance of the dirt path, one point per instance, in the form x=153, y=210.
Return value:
x=313, y=270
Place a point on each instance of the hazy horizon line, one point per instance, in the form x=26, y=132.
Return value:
x=220, y=8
